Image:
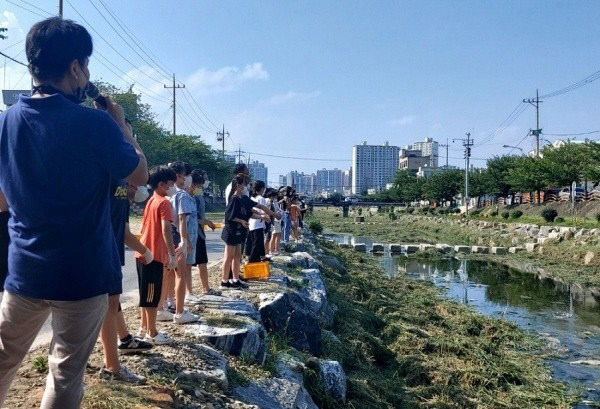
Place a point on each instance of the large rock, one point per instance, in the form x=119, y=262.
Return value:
x=216, y=372
x=590, y=256
x=334, y=379
x=225, y=305
x=289, y=313
x=299, y=246
x=237, y=336
x=530, y=247
x=334, y=263
x=315, y=294
x=275, y=393
x=304, y=260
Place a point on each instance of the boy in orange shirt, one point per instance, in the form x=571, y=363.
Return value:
x=156, y=236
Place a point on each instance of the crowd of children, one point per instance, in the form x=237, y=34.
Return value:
x=172, y=240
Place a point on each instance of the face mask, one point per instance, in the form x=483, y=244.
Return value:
x=198, y=192
x=141, y=194
x=187, y=182
x=206, y=182
x=171, y=191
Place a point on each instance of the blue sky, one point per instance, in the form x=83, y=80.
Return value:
x=311, y=79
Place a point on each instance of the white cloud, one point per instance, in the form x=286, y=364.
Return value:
x=292, y=96
x=10, y=21
x=405, y=120
x=225, y=79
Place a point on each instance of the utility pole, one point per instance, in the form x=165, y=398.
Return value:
x=60, y=8
x=467, y=143
x=239, y=153
x=537, y=131
x=175, y=87
x=446, y=146
x=221, y=138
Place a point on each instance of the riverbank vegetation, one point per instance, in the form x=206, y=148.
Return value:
x=404, y=346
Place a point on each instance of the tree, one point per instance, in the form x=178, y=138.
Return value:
x=497, y=171
x=160, y=147
x=565, y=165
x=407, y=186
x=479, y=184
x=443, y=186
x=527, y=175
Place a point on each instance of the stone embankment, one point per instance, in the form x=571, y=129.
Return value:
x=237, y=325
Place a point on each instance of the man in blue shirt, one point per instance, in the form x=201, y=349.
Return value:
x=57, y=159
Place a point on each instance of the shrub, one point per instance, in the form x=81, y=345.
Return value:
x=431, y=210
x=360, y=211
x=336, y=215
x=456, y=210
x=559, y=219
x=494, y=213
x=393, y=216
x=423, y=210
x=410, y=210
x=315, y=226
x=516, y=214
x=549, y=215
x=475, y=213
x=442, y=210
x=505, y=215
x=598, y=217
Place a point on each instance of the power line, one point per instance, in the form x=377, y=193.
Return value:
x=111, y=46
x=12, y=45
x=571, y=134
x=29, y=10
x=508, y=121
x=36, y=7
x=205, y=125
x=12, y=59
x=589, y=79
x=519, y=144
x=136, y=40
x=119, y=34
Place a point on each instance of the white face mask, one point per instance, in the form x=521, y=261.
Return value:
x=141, y=194
x=187, y=182
x=206, y=182
x=171, y=191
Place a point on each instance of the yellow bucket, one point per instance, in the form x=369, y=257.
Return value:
x=257, y=271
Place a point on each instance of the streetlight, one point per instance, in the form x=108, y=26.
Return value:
x=513, y=147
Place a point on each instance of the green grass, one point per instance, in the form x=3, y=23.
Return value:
x=404, y=346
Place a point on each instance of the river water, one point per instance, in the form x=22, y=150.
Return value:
x=570, y=323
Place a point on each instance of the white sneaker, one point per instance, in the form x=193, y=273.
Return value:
x=185, y=317
x=158, y=339
x=164, y=315
x=191, y=299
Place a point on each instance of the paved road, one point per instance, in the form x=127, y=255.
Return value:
x=130, y=296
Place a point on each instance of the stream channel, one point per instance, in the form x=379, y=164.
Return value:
x=568, y=321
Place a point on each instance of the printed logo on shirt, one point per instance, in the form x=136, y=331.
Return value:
x=121, y=192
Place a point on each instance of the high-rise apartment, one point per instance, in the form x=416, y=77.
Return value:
x=258, y=171
x=329, y=180
x=373, y=166
x=429, y=148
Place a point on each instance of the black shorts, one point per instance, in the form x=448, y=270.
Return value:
x=150, y=278
x=4, y=240
x=201, y=256
x=233, y=235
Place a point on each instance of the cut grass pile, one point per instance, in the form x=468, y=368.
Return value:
x=404, y=346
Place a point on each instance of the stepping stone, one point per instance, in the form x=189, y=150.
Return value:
x=498, y=250
x=425, y=246
x=530, y=247
x=411, y=248
x=515, y=250
x=480, y=250
x=462, y=249
x=396, y=248
x=444, y=248
x=377, y=248
x=360, y=247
